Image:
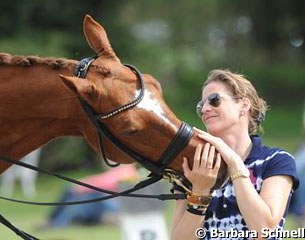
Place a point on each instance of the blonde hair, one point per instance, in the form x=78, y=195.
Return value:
x=242, y=87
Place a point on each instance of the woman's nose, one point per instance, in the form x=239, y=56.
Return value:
x=205, y=107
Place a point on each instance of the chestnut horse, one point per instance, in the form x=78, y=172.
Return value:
x=40, y=101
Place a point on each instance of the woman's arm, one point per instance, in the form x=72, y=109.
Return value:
x=263, y=210
x=266, y=209
x=185, y=224
x=203, y=177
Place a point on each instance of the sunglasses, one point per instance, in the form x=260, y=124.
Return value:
x=214, y=100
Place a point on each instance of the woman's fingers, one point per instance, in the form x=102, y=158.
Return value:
x=205, y=155
x=204, y=158
x=202, y=174
x=218, y=163
x=207, y=137
x=198, y=130
x=197, y=156
x=210, y=159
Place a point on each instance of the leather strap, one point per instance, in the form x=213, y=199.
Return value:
x=179, y=142
x=19, y=232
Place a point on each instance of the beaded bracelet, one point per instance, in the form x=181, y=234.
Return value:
x=197, y=211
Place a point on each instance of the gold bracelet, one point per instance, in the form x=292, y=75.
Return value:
x=245, y=173
x=199, y=200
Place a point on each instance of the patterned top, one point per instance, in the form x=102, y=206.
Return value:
x=223, y=214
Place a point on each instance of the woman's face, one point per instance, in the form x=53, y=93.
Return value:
x=220, y=111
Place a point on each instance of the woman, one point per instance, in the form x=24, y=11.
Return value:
x=101, y=212
x=254, y=200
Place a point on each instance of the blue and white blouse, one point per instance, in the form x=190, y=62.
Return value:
x=223, y=213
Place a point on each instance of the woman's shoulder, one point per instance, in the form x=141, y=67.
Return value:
x=272, y=155
x=272, y=152
x=266, y=161
x=263, y=152
x=279, y=162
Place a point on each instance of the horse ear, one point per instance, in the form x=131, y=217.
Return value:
x=81, y=87
x=97, y=38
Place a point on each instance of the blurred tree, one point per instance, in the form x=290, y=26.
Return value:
x=179, y=42
x=39, y=21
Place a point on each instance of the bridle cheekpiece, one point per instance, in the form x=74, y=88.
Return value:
x=159, y=168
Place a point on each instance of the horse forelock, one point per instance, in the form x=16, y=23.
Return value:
x=30, y=61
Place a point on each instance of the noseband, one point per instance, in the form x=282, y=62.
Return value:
x=178, y=143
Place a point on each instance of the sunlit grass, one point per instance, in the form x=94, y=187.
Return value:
x=28, y=217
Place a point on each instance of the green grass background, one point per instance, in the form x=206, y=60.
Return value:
x=28, y=217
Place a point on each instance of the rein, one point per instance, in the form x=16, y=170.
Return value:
x=125, y=193
x=158, y=170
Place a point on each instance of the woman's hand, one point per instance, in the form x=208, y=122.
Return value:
x=203, y=175
x=232, y=159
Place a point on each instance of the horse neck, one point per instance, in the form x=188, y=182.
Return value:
x=35, y=108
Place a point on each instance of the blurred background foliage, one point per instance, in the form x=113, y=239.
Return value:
x=178, y=42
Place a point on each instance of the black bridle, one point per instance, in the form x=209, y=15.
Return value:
x=178, y=143
x=158, y=170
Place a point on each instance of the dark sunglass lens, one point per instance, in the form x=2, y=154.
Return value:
x=214, y=100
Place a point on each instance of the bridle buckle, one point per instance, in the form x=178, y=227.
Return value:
x=174, y=177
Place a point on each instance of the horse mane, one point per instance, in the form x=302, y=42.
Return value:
x=30, y=61
x=55, y=63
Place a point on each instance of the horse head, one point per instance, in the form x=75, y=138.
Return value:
x=148, y=127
